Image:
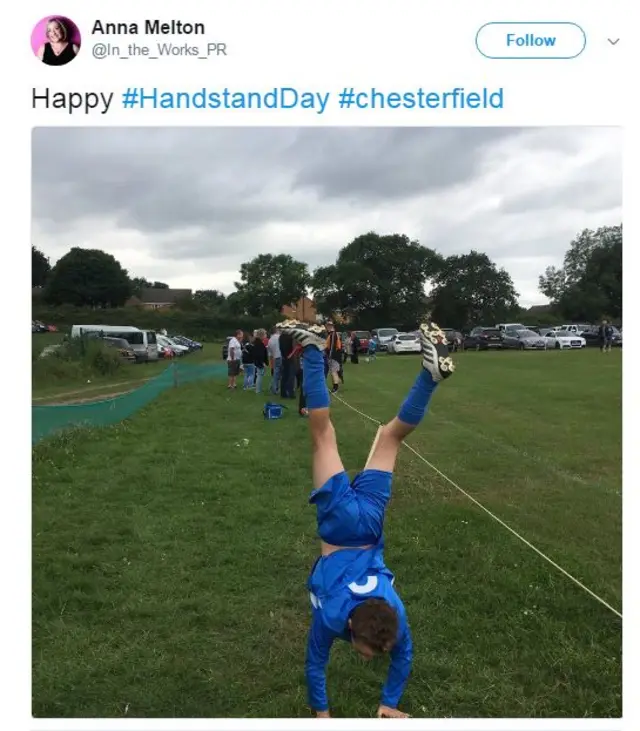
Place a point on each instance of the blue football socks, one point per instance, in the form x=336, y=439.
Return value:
x=415, y=405
x=314, y=384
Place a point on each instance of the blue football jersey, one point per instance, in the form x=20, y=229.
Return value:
x=338, y=583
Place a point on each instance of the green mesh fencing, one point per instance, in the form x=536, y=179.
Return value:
x=47, y=420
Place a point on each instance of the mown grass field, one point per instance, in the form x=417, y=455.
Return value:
x=170, y=555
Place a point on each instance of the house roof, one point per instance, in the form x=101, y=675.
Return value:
x=153, y=296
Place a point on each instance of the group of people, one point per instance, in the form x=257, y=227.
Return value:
x=253, y=354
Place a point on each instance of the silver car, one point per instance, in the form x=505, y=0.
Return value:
x=524, y=340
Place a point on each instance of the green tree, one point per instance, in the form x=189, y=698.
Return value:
x=138, y=284
x=377, y=280
x=589, y=284
x=269, y=282
x=40, y=268
x=159, y=285
x=470, y=290
x=598, y=292
x=236, y=304
x=88, y=278
x=208, y=299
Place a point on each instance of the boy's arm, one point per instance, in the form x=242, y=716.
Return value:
x=400, y=667
x=318, y=648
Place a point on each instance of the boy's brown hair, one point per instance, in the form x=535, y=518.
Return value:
x=374, y=623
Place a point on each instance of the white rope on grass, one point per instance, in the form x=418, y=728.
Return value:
x=540, y=553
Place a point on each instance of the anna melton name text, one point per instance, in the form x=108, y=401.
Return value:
x=151, y=28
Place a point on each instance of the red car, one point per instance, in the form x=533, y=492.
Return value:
x=364, y=336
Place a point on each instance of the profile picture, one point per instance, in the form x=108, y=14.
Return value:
x=55, y=40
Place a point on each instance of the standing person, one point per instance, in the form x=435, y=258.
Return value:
x=296, y=355
x=273, y=349
x=234, y=356
x=288, y=375
x=373, y=348
x=606, y=336
x=342, y=359
x=351, y=589
x=248, y=364
x=347, y=346
x=333, y=347
x=260, y=357
x=355, y=348
x=302, y=401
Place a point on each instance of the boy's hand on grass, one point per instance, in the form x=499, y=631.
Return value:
x=323, y=714
x=387, y=712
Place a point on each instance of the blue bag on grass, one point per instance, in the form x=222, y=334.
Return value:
x=273, y=411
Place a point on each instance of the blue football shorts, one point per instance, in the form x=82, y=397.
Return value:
x=351, y=513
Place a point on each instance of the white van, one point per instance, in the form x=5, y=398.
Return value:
x=143, y=342
x=576, y=329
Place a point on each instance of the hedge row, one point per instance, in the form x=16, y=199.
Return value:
x=204, y=326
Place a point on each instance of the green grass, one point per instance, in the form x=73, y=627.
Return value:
x=128, y=376
x=170, y=558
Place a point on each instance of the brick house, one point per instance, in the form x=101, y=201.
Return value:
x=304, y=309
x=159, y=299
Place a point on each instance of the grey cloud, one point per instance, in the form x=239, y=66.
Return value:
x=375, y=164
x=599, y=187
x=216, y=197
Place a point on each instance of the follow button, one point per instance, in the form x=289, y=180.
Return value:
x=561, y=40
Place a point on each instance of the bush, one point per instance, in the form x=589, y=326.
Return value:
x=76, y=360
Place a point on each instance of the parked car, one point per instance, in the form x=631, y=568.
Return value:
x=404, y=343
x=577, y=329
x=40, y=327
x=166, y=342
x=385, y=336
x=364, y=336
x=123, y=347
x=187, y=342
x=483, y=338
x=454, y=338
x=143, y=342
x=515, y=326
x=523, y=340
x=164, y=351
x=592, y=337
x=564, y=340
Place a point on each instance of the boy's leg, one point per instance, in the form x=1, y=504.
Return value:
x=436, y=366
x=326, y=459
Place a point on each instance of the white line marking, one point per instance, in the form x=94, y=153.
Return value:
x=577, y=582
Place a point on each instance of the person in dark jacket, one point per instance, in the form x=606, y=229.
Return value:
x=248, y=364
x=605, y=333
x=288, y=377
x=302, y=400
x=355, y=348
x=260, y=358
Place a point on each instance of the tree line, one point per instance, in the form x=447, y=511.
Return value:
x=375, y=279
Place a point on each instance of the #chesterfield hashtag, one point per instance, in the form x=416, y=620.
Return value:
x=347, y=97
x=420, y=98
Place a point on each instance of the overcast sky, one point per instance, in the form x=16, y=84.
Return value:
x=188, y=206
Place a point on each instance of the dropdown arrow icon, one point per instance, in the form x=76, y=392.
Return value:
x=613, y=41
